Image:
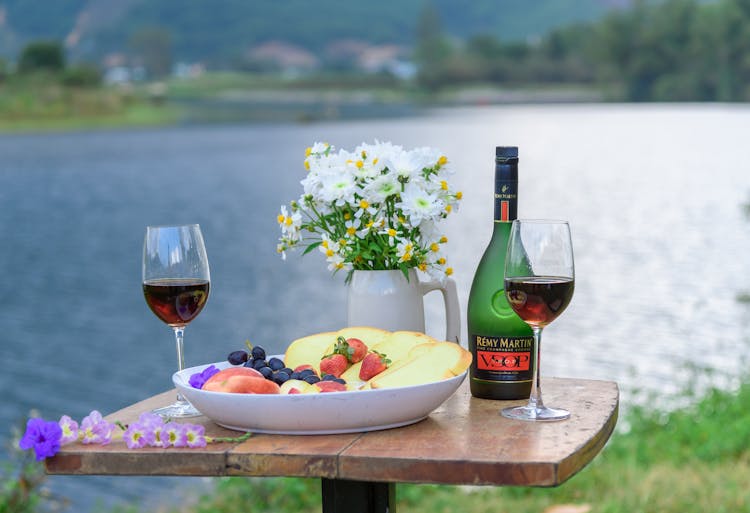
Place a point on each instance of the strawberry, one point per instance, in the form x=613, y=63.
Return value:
x=372, y=365
x=335, y=364
x=356, y=349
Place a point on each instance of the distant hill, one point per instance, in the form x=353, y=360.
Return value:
x=221, y=30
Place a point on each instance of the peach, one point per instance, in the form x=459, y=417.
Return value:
x=330, y=386
x=240, y=380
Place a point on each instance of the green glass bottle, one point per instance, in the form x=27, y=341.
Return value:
x=500, y=342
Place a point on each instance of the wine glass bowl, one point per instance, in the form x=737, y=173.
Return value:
x=176, y=285
x=539, y=284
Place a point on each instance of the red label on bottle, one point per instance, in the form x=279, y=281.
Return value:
x=497, y=361
x=504, y=211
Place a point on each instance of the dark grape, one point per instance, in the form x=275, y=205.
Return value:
x=250, y=363
x=280, y=377
x=237, y=357
x=287, y=370
x=306, y=372
x=329, y=377
x=276, y=364
x=267, y=372
x=339, y=380
x=295, y=375
x=259, y=353
x=259, y=364
x=312, y=379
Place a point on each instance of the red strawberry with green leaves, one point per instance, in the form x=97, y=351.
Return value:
x=335, y=364
x=372, y=365
x=356, y=349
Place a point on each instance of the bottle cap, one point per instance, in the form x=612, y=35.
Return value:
x=506, y=152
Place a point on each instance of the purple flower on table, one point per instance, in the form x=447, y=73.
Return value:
x=96, y=430
x=154, y=425
x=137, y=435
x=69, y=429
x=195, y=435
x=174, y=435
x=43, y=437
x=199, y=379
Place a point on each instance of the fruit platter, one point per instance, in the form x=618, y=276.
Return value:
x=352, y=380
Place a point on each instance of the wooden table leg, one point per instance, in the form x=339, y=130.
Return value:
x=343, y=496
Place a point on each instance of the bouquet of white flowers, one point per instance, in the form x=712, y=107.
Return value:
x=375, y=208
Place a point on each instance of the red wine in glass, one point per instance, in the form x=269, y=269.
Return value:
x=539, y=283
x=176, y=282
x=176, y=301
x=538, y=300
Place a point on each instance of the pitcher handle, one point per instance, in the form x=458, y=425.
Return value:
x=452, y=309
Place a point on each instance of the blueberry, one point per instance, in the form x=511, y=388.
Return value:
x=312, y=379
x=267, y=372
x=237, y=357
x=329, y=377
x=276, y=364
x=259, y=353
x=259, y=364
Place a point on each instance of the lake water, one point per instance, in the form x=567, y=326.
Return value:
x=654, y=194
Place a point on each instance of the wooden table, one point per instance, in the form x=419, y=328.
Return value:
x=465, y=441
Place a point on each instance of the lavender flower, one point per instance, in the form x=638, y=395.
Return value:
x=43, y=437
x=195, y=435
x=174, y=435
x=69, y=429
x=96, y=430
x=199, y=379
x=137, y=435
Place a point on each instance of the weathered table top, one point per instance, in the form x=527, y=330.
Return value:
x=465, y=441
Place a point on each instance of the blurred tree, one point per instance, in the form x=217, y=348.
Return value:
x=432, y=48
x=42, y=55
x=153, y=47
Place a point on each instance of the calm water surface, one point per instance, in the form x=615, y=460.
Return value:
x=654, y=195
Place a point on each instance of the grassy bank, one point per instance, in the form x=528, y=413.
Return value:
x=695, y=459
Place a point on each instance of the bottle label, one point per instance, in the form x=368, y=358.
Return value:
x=503, y=358
x=506, y=201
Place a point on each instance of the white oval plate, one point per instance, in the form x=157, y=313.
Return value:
x=317, y=414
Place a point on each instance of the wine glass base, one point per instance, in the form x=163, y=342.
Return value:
x=177, y=410
x=543, y=414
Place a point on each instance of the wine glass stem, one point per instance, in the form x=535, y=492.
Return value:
x=535, y=399
x=179, y=332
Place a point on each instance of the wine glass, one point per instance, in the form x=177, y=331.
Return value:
x=176, y=283
x=539, y=283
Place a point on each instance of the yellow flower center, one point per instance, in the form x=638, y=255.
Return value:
x=444, y=185
x=363, y=204
x=441, y=261
x=347, y=215
x=280, y=218
x=434, y=247
x=359, y=164
x=459, y=195
x=443, y=239
x=351, y=230
x=443, y=160
x=308, y=151
x=449, y=271
x=391, y=232
x=448, y=208
x=329, y=253
x=324, y=243
x=307, y=165
x=422, y=266
x=374, y=161
x=288, y=221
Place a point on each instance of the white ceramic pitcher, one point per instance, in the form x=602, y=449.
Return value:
x=387, y=300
